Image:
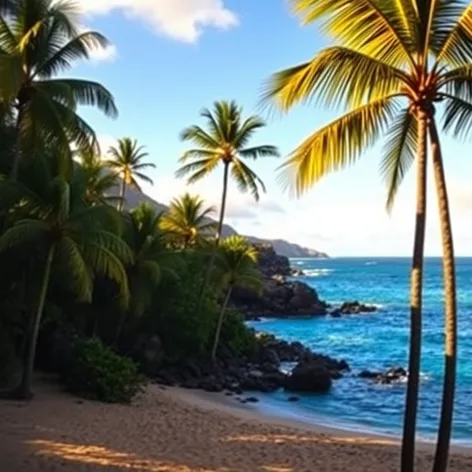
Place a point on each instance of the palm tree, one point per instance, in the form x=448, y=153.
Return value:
x=71, y=238
x=394, y=63
x=237, y=265
x=40, y=39
x=96, y=178
x=187, y=220
x=225, y=142
x=153, y=260
x=127, y=162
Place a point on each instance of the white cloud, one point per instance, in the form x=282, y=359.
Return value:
x=99, y=54
x=107, y=54
x=183, y=20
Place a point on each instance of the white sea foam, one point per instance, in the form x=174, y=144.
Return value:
x=317, y=272
x=370, y=263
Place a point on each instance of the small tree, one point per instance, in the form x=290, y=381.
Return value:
x=187, y=220
x=237, y=265
x=126, y=160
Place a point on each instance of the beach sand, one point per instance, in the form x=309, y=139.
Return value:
x=174, y=430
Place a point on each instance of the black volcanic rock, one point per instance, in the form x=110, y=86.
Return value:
x=279, y=298
x=353, y=308
x=392, y=375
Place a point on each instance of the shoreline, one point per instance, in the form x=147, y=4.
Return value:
x=175, y=430
x=252, y=412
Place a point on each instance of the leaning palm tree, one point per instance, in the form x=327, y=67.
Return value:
x=40, y=39
x=126, y=160
x=224, y=143
x=72, y=239
x=237, y=266
x=394, y=64
x=187, y=220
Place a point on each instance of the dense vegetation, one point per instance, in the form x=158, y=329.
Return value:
x=91, y=289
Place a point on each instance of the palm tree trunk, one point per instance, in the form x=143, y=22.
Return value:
x=122, y=195
x=449, y=274
x=15, y=166
x=217, y=238
x=220, y=323
x=24, y=389
x=119, y=328
x=416, y=301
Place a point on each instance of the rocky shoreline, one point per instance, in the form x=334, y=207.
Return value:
x=285, y=298
x=261, y=371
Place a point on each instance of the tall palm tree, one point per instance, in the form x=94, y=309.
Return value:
x=393, y=64
x=126, y=160
x=69, y=236
x=237, y=265
x=224, y=143
x=96, y=178
x=187, y=220
x=40, y=39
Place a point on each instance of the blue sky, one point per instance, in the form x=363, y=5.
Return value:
x=171, y=58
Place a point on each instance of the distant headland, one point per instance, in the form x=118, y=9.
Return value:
x=281, y=247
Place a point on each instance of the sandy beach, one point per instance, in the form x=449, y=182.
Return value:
x=182, y=431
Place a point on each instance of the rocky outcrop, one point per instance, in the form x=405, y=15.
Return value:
x=258, y=372
x=279, y=297
x=270, y=263
x=392, y=375
x=353, y=308
x=309, y=377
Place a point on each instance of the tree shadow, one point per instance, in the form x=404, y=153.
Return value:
x=160, y=434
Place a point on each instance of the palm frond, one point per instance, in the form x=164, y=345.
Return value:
x=87, y=93
x=458, y=82
x=457, y=116
x=78, y=48
x=105, y=262
x=399, y=152
x=378, y=29
x=453, y=33
x=24, y=233
x=337, y=145
x=247, y=179
x=336, y=76
x=203, y=165
x=247, y=130
x=69, y=255
x=265, y=150
x=199, y=137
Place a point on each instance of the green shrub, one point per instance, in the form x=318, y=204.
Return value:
x=184, y=331
x=97, y=372
x=235, y=334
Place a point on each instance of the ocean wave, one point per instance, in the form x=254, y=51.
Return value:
x=317, y=272
x=346, y=339
x=370, y=263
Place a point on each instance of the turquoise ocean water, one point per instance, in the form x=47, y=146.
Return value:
x=379, y=341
